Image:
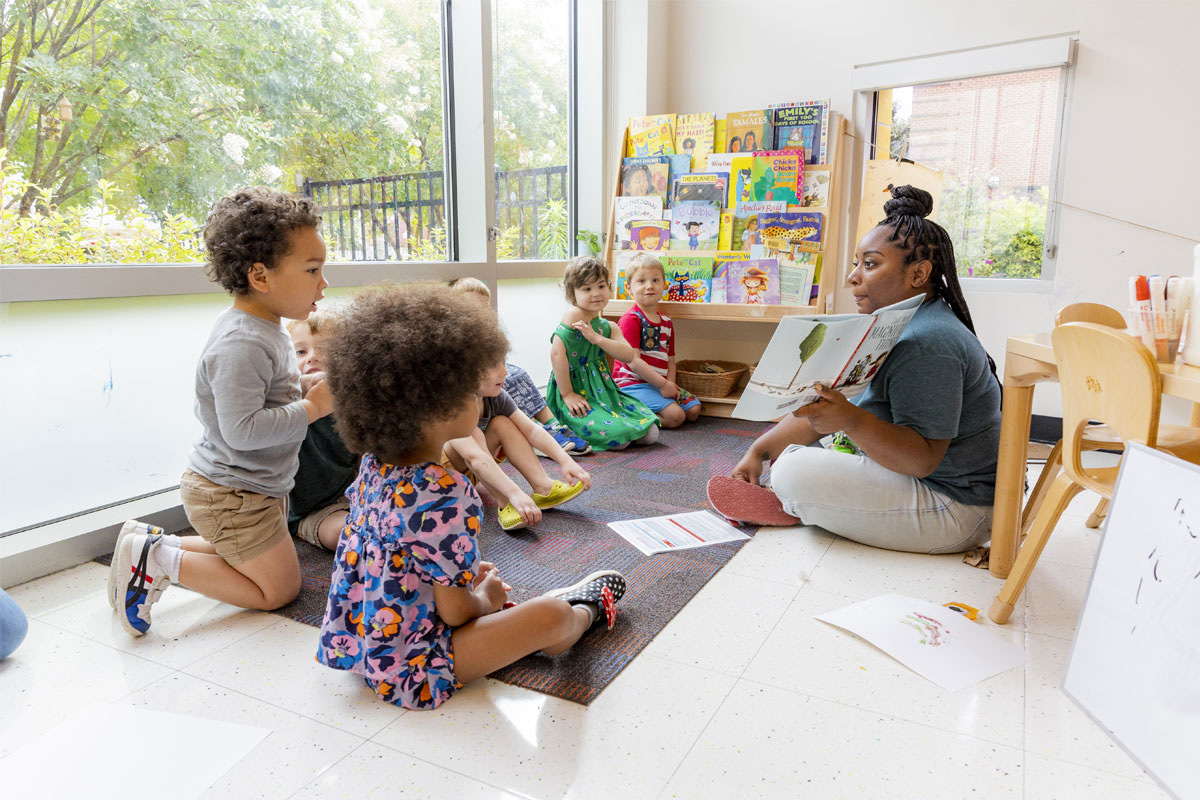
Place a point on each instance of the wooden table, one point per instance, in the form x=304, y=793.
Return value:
x=1030, y=360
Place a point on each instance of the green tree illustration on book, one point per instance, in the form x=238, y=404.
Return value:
x=809, y=346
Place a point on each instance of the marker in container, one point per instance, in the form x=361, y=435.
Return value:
x=1158, y=303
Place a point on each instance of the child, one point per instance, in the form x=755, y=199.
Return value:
x=521, y=387
x=653, y=334
x=503, y=428
x=263, y=246
x=412, y=607
x=317, y=504
x=582, y=392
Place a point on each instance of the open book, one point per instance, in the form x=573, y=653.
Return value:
x=843, y=351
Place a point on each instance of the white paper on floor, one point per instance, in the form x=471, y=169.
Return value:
x=931, y=640
x=119, y=752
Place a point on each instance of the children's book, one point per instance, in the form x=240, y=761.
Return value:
x=629, y=209
x=621, y=260
x=721, y=261
x=721, y=162
x=695, y=226
x=725, y=231
x=796, y=278
x=649, y=234
x=678, y=166
x=843, y=351
x=802, y=126
x=653, y=142
x=815, y=190
x=689, y=277
x=638, y=125
x=645, y=175
x=752, y=282
x=777, y=175
x=706, y=187
x=800, y=230
x=745, y=232
x=718, y=136
x=739, y=180
x=694, y=136
x=747, y=131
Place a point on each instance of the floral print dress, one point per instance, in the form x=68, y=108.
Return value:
x=408, y=528
x=616, y=418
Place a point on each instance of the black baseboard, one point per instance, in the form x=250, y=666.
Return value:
x=1047, y=430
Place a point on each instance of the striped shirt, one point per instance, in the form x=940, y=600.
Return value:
x=655, y=341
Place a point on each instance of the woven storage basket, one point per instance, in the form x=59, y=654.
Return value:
x=696, y=377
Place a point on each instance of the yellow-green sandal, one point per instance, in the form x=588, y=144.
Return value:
x=559, y=493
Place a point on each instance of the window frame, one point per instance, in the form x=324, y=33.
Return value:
x=1058, y=50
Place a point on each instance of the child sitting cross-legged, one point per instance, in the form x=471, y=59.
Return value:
x=653, y=335
x=412, y=606
x=504, y=427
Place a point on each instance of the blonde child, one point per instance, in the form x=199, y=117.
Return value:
x=582, y=392
x=317, y=504
x=504, y=428
x=522, y=389
x=263, y=246
x=653, y=335
x=412, y=606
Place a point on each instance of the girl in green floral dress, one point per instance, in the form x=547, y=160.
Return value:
x=582, y=393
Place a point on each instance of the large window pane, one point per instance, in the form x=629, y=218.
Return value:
x=122, y=128
x=994, y=139
x=530, y=76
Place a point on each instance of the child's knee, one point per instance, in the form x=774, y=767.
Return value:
x=279, y=596
x=553, y=616
x=672, y=416
x=692, y=414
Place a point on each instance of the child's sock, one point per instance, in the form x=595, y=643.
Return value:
x=169, y=558
x=593, y=612
x=171, y=540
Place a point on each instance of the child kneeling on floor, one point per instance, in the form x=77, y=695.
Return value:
x=412, y=607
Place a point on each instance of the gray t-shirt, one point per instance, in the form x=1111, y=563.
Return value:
x=502, y=405
x=248, y=400
x=937, y=381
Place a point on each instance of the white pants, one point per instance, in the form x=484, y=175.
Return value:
x=854, y=497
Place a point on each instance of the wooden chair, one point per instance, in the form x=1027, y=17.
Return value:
x=1106, y=375
x=1096, y=437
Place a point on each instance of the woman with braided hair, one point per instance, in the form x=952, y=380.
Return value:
x=927, y=428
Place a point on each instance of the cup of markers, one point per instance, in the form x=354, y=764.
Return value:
x=1159, y=311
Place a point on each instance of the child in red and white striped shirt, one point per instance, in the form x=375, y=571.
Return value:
x=653, y=334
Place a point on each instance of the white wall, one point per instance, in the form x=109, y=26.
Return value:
x=1134, y=125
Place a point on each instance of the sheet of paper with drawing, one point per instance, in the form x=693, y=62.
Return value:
x=843, y=351
x=677, y=532
x=934, y=641
x=1136, y=656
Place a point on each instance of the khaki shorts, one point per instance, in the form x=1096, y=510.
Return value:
x=448, y=465
x=307, y=529
x=241, y=525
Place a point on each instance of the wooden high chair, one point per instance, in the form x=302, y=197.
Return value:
x=1097, y=437
x=1106, y=375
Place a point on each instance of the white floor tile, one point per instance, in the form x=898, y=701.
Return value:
x=1054, y=597
x=772, y=743
x=782, y=555
x=1051, y=779
x=278, y=665
x=730, y=608
x=295, y=753
x=186, y=626
x=54, y=673
x=66, y=587
x=629, y=740
x=815, y=658
x=375, y=772
x=1054, y=725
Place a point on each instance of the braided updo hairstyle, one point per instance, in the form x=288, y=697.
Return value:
x=923, y=239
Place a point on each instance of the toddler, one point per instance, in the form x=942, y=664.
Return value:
x=317, y=504
x=263, y=246
x=653, y=335
x=522, y=389
x=412, y=607
x=582, y=392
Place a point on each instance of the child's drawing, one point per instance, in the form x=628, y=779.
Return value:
x=932, y=632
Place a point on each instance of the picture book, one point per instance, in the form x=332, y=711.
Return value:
x=802, y=126
x=739, y=183
x=721, y=162
x=745, y=230
x=689, y=277
x=653, y=142
x=629, y=209
x=645, y=175
x=621, y=260
x=718, y=136
x=842, y=351
x=776, y=175
x=654, y=122
x=678, y=165
x=721, y=261
x=649, y=234
x=747, y=131
x=815, y=190
x=725, y=230
x=694, y=136
x=795, y=281
x=752, y=282
x=799, y=230
x=708, y=187
x=694, y=226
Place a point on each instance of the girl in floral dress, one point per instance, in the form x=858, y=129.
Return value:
x=412, y=606
x=582, y=393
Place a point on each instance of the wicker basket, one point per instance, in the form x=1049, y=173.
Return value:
x=699, y=378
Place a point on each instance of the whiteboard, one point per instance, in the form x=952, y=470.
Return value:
x=1135, y=662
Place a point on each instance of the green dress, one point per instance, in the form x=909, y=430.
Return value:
x=616, y=418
